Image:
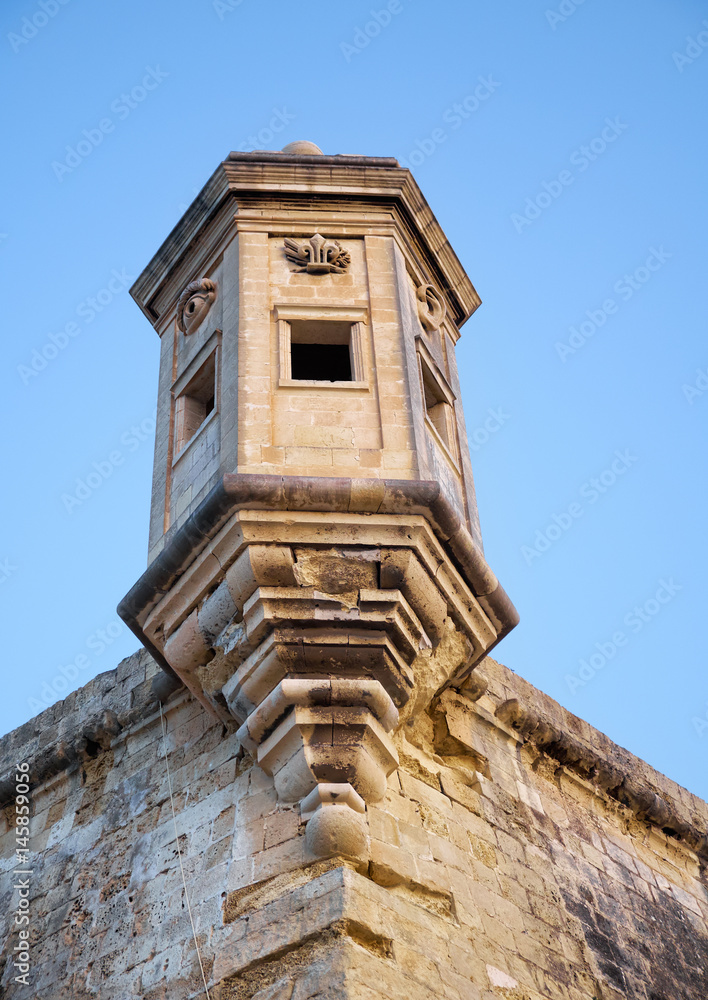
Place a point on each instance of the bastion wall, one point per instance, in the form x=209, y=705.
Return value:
x=518, y=853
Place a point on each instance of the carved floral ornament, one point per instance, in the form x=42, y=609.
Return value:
x=317, y=255
x=431, y=307
x=194, y=303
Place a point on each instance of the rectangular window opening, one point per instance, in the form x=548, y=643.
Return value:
x=436, y=406
x=195, y=403
x=320, y=350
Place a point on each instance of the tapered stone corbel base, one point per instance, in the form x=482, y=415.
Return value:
x=341, y=744
x=320, y=632
x=325, y=742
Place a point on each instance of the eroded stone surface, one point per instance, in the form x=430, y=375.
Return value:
x=488, y=861
x=319, y=650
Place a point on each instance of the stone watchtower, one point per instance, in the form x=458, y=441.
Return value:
x=316, y=571
x=354, y=802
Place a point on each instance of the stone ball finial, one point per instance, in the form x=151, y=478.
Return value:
x=301, y=147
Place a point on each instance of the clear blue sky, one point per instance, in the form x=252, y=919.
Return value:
x=571, y=181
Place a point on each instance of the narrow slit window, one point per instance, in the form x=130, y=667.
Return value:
x=437, y=407
x=320, y=351
x=195, y=403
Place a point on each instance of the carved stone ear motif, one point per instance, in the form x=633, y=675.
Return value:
x=431, y=307
x=194, y=303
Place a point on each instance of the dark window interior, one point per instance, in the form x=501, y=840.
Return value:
x=436, y=405
x=320, y=351
x=322, y=362
x=196, y=402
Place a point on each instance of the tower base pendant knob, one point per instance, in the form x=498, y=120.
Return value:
x=336, y=822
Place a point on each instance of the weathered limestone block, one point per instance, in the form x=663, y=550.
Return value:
x=536, y=878
x=320, y=633
x=346, y=652
x=342, y=571
x=317, y=692
x=260, y=566
x=343, y=744
x=217, y=612
x=187, y=649
x=401, y=569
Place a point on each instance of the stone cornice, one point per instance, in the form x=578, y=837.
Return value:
x=320, y=613
x=605, y=772
x=353, y=183
x=366, y=496
x=509, y=702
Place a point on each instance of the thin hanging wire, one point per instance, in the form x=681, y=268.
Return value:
x=163, y=726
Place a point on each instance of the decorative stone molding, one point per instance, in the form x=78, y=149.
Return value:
x=317, y=255
x=612, y=777
x=314, y=641
x=194, y=303
x=431, y=307
x=320, y=631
